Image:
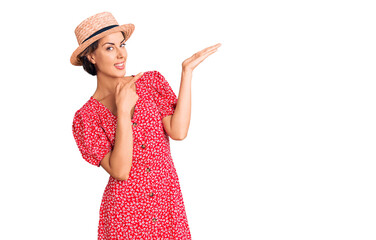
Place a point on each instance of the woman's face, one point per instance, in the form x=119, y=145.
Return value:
x=110, y=56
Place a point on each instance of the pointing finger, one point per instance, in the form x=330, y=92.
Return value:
x=134, y=79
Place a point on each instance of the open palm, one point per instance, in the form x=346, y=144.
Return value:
x=192, y=62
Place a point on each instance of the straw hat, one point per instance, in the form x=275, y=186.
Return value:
x=94, y=28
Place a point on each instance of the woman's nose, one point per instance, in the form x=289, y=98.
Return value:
x=120, y=53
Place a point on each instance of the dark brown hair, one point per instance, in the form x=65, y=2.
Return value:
x=86, y=64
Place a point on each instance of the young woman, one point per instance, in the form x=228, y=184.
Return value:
x=125, y=127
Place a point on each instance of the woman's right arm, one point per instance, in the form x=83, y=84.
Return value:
x=118, y=162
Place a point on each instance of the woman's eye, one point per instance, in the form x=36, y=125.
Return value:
x=112, y=47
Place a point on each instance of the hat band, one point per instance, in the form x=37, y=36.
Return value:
x=100, y=31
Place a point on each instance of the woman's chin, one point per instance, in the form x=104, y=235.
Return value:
x=119, y=74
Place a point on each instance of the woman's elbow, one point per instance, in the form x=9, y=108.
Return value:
x=121, y=177
x=179, y=137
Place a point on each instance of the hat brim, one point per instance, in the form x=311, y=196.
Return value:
x=126, y=28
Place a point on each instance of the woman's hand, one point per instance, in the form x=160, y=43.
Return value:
x=126, y=96
x=191, y=63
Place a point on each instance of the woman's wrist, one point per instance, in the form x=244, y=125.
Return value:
x=124, y=114
x=186, y=70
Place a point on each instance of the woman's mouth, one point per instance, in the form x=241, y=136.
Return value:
x=120, y=66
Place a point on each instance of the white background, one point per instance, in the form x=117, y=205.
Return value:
x=282, y=137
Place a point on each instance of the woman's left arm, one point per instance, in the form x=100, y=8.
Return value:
x=177, y=125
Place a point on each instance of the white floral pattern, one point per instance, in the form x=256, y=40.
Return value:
x=149, y=204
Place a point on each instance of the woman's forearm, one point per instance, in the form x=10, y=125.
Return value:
x=182, y=115
x=179, y=122
x=121, y=156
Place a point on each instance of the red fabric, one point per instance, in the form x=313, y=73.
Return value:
x=152, y=190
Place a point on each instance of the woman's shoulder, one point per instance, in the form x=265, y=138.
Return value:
x=86, y=112
x=150, y=79
x=153, y=78
x=152, y=74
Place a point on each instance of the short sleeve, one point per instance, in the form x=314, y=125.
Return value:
x=165, y=97
x=90, y=138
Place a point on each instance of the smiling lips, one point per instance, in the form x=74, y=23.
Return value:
x=120, y=66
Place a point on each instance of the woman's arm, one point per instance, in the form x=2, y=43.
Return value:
x=118, y=162
x=177, y=125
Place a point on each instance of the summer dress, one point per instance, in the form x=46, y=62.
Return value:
x=149, y=204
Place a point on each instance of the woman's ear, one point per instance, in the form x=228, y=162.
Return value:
x=91, y=58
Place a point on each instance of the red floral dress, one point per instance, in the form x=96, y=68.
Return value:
x=149, y=204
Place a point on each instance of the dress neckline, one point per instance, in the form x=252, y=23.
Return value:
x=108, y=110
